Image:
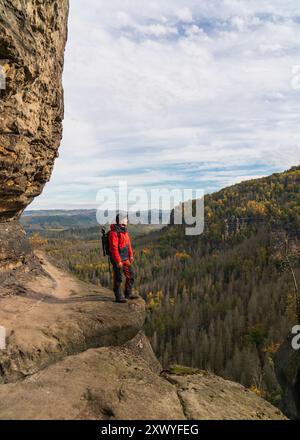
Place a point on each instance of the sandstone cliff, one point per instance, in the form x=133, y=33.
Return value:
x=32, y=40
x=71, y=352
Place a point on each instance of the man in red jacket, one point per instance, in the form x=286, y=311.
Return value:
x=122, y=258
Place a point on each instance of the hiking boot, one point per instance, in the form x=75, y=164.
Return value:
x=131, y=295
x=119, y=296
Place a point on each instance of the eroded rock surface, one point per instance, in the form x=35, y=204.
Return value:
x=55, y=315
x=204, y=396
x=113, y=383
x=15, y=249
x=104, y=383
x=33, y=34
x=141, y=346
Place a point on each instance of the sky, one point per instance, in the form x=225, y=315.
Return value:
x=176, y=94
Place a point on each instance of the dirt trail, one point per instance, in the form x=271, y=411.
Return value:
x=58, y=283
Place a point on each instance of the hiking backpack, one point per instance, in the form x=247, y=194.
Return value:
x=105, y=243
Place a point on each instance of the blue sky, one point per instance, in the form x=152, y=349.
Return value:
x=176, y=94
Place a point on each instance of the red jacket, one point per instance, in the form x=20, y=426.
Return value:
x=119, y=244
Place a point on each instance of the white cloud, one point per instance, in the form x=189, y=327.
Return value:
x=185, y=14
x=152, y=87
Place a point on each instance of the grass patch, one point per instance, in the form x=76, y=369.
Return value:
x=181, y=370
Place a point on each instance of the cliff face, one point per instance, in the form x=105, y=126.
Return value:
x=33, y=34
x=112, y=383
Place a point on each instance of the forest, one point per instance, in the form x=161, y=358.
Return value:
x=222, y=301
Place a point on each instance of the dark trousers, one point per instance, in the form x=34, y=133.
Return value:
x=127, y=271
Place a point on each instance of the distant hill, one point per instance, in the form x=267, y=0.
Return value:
x=58, y=220
x=69, y=222
x=272, y=200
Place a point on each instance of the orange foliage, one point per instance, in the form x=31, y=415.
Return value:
x=273, y=348
x=258, y=391
x=182, y=256
x=37, y=241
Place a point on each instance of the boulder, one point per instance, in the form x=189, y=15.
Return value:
x=204, y=396
x=140, y=345
x=108, y=383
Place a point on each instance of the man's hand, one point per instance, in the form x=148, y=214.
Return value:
x=120, y=265
x=131, y=259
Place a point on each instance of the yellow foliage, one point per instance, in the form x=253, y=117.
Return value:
x=6, y=67
x=182, y=256
x=258, y=391
x=154, y=300
x=273, y=348
x=103, y=267
x=256, y=208
x=37, y=241
x=172, y=301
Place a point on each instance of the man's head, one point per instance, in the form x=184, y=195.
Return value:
x=122, y=219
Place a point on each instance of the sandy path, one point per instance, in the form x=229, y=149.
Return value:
x=59, y=284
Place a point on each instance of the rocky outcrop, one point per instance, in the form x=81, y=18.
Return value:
x=141, y=346
x=15, y=250
x=112, y=383
x=105, y=383
x=54, y=315
x=287, y=367
x=204, y=396
x=32, y=42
